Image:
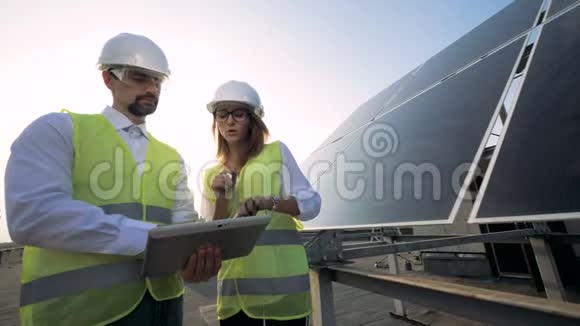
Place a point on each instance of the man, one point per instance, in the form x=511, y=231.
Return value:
x=82, y=191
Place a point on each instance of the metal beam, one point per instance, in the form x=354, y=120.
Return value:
x=436, y=243
x=322, y=298
x=412, y=238
x=495, y=307
x=394, y=270
x=11, y=247
x=361, y=235
x=409, y=238
x=548, y=269
x=354, y=236
x=350, y=246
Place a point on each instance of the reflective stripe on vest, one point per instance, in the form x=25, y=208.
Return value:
x=78, y=280
x=155, y=214
x=279, y=237
x=265, y=286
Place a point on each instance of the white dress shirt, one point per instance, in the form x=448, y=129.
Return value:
x=40, y=208
x=292, y=183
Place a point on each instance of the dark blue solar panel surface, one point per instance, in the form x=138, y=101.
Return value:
x=557, y=5
x=513, y=20
x=374, y=182
x=538, y=166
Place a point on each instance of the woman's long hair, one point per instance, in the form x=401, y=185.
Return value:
x=257, y=136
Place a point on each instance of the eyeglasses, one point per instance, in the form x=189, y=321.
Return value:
x=139, y=78
x=239, y=115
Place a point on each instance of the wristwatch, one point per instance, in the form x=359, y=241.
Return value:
x=275, y=202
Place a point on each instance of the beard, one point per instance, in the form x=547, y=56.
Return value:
x=140, y=109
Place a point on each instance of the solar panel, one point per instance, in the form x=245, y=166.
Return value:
x=321, y=160
x=558, y=5
x=516, y=18
x=366, y=112
x=504, y=26
x=536, y=175
x=405, y=167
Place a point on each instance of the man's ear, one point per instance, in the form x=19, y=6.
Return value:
x=108, y=79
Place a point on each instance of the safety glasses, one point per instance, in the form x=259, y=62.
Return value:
x=139, y=78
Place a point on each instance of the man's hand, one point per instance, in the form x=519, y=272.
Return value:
x=202, y=265
x=250, y=207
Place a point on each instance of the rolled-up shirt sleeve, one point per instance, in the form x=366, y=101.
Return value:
x=40, y=208
x=294, y=183
x=207, y=208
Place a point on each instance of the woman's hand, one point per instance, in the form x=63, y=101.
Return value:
x=250, y=207
x=222, y=183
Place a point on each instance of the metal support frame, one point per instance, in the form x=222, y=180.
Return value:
x=548, y=269
x=495, y=307
x=322, y=297
x=329, y=246
x=435, y=243
x=394, y=270
x=329, y=250
x=324, y=248
x=409, y=238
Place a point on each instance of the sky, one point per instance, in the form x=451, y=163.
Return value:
x=312, y=62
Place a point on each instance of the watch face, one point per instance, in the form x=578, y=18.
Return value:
x=275, y=201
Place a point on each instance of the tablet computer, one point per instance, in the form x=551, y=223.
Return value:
x=169, y=246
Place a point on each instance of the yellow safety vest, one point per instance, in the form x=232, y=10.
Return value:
x=73, y=288
x=272, y=282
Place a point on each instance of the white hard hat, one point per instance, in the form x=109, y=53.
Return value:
x=237, y=91
x=133, y=50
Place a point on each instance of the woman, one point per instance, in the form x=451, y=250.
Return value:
x=270, y=286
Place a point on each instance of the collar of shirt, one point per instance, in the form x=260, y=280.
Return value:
x=120, y=121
